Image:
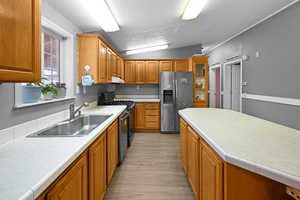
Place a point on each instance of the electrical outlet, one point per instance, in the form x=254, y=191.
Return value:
x=257, y=54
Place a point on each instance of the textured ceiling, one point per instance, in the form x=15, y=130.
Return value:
x=150, y=22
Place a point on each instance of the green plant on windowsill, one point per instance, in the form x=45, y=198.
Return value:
x=49, y=91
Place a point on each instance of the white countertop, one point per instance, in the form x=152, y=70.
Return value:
x=257, y=145
x=29, y=165
x=138, y=98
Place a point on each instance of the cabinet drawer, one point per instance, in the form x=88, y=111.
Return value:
x=152, y=113
x=152, y=119
x=152, y=125
x=152, y=106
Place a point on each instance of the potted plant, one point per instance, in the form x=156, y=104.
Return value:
x=31, y=92
x=49, y=91
x=62, y=90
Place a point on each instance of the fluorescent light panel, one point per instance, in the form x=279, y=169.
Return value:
x=142, y=50
x=193, y=9
x=102, y=13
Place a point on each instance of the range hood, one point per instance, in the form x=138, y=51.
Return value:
x=115, y=79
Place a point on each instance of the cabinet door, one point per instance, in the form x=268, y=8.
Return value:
x=120, y=67
x=166, y=66
x=74, y=184
x=97, y=169
x=193, y=161
x=130, y=71
x=181, y=65
x=211, y=174
x=152, y=72
x=140, y=71
x=20, y=41
x=183, y=144
x=102, y=64
x=139, y=116
x=114, y=65
x=109, y=64
x=112, y=150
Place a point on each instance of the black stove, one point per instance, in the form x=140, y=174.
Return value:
x=107, y=98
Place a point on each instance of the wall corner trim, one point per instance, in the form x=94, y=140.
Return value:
x=272, y=99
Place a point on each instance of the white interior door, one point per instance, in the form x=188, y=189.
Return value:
x=235, y=87
x=212, y=87
x=227, y=87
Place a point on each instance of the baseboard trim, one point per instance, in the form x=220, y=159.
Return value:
x=273, y=99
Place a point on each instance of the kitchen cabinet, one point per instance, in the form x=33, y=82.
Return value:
x=114, y=65
x=183, y=144
x=112, y=150
x=74, y=184
x=102, y=64
x=140, y=72
x=19, y=57
x=130, y=72
x=147, y=117
x=120, y=67
x=211, y=174
x=166, y=65
x=199, y=67
x=152, y=72
x=193, y=150
x=181, y=65
x=97, y=168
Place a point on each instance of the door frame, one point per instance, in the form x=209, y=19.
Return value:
x=232, y=62
x=212, y=68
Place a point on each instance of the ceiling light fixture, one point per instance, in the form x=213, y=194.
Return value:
x=142, y=50
x=102, y=13
x=193, y=9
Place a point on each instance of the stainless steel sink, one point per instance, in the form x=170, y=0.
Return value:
x=77, y=127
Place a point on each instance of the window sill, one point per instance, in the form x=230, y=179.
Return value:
x=42, y=102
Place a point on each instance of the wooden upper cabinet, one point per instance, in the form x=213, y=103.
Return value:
x=74, y=184
x=193, y=160
x=211, y=177
x=97, y=168
x=120, y=67
x=114, y=70
x=152, y=72
x=112, y=150
x=103, y=76
x=181, y=65
x=88, y=51
x=20, y=35
x=166, y=65
x=140, y=72
x=130, y=72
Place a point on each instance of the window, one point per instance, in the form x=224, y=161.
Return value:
x=57, y=65
x=51, y=57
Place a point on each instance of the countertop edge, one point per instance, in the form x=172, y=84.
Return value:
x=139, y=100
x=250, y=166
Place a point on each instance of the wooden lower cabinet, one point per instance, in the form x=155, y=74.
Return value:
x=211, y=174
x=147, y=117
x=88, y=176
x=212, y=178
x=74, y=184
x=193, y=160
x=97, y=169
x=183, y=144
x=112, y=150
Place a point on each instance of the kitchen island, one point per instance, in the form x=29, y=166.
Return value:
x=251, y=154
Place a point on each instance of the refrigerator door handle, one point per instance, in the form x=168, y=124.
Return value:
x=176, y=89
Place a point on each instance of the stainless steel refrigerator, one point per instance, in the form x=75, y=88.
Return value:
x=176, y=93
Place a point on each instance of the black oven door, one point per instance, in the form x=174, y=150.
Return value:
x=123, y=135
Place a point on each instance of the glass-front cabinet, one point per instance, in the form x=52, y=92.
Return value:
x=199, y=66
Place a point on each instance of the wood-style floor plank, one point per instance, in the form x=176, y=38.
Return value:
x=151, y=170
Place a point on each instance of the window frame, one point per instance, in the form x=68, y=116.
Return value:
x=67, y=66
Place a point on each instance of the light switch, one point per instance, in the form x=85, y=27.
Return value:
x=257, y=54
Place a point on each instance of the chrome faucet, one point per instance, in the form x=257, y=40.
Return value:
x=73, y=111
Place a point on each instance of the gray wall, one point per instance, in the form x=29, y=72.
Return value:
x=276, y=72
x=182, y=52
x=10, y=116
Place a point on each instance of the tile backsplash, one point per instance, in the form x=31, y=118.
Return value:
x=137, y=89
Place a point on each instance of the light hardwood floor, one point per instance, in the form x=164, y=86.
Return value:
x=151, y=171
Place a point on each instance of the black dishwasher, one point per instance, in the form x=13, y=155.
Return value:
x=123, y=135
